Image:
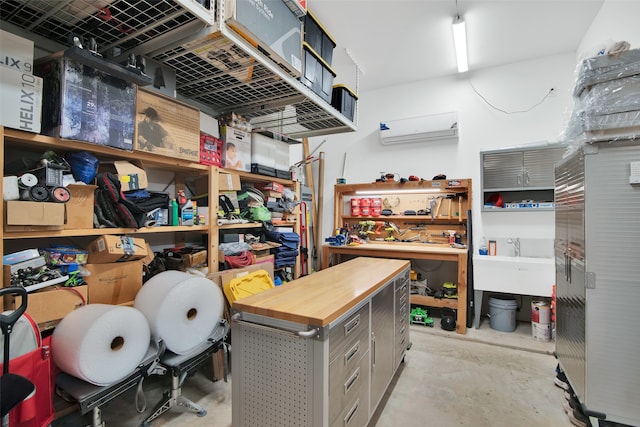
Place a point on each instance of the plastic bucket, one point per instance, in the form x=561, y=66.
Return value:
x=502, y=313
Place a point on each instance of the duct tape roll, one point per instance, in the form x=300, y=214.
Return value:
x=100, y=343
x=37, y=193
x=181, y=309
x=27, y=180
x=60, y=195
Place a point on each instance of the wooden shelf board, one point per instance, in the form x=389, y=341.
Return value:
x=99, y=232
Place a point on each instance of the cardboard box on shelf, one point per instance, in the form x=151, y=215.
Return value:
x=49, y=305
x=21, y=101
x=167, y=126
x=114, y=283
x=109, y=249
x=79, y=209
x=25, y=213
x=131, y=174
x=236, y=150
x=86, y=104
x=229, y=182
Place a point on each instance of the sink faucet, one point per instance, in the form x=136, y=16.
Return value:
x=516, y=244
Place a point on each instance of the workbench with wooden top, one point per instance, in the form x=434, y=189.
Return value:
x=408, y=251
x=320, y=350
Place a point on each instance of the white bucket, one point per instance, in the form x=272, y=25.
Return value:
x=541, y=331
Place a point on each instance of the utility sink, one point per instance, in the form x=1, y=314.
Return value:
x=515, y=275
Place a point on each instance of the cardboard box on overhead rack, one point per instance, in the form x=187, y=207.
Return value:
x=167, y=127
x=86, y=104
x=114, y=283
x=272, y=27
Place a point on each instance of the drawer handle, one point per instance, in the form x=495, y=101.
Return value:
x=308, y=334
x=351, y=381
x=352, y=412
x=351, y=325
x=352, y=352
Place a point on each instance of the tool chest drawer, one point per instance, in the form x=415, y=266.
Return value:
x=353, y=328
x=345, y=391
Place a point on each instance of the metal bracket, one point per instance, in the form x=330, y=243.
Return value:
x=591, y=280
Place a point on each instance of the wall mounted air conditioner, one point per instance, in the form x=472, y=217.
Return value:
x=437, y=127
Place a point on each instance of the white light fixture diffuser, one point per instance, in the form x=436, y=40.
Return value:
x=460, y=40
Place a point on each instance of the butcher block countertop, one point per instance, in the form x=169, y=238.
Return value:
x=322, y=297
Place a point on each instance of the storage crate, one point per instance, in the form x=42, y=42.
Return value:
x=318, y=38
x=317, y=74
x=344, y=100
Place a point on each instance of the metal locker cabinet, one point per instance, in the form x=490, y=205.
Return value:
x=598, y=278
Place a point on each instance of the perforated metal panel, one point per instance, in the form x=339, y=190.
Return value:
x=275, y=378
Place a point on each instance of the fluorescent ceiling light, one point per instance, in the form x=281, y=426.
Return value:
x=460, y=40
x=403, y=191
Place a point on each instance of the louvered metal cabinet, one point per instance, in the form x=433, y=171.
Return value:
x=597, y=249
x=516, y=168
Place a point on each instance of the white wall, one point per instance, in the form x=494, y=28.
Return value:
x=616, y=21
x=512, y=88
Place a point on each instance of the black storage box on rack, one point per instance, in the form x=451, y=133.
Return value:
x=86, y=104
x=317, y=75
x=344, y=100
x=318, y=38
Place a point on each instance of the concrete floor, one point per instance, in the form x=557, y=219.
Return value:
x=483, y=378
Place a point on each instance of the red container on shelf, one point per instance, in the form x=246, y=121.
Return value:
x=365, y=202
x=355, y=201
x=376, y=202
x=355, y=210
x=365, y=210
x=376, y=210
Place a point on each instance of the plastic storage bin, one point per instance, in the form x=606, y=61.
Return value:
x=317, y=75
x=318, y=39
x=344, y=100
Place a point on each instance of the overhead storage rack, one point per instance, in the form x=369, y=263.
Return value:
x=216, y=69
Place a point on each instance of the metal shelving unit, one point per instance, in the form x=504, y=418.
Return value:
x=216, y=69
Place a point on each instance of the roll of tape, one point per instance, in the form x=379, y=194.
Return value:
x=100, y=343
x=181, y=309
x=27, y=180
x=37, y=193
x=60, y=195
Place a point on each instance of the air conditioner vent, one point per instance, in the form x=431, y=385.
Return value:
x=436, y=127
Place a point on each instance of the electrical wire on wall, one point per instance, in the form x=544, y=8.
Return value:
x=510, y=112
